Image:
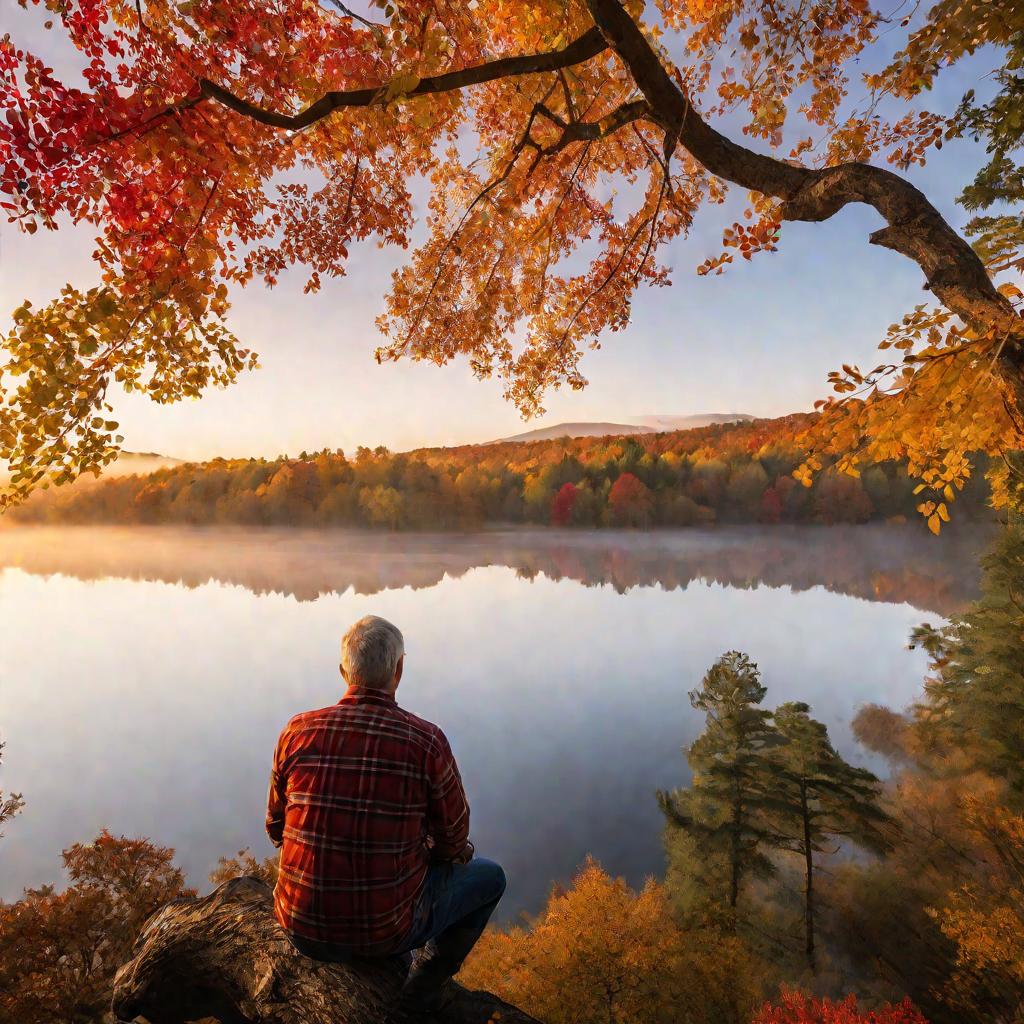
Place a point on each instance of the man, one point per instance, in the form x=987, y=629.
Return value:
x=367, y=805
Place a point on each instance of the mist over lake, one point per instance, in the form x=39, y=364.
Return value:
x=148, y=672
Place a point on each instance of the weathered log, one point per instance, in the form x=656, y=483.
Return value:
x=224, y=956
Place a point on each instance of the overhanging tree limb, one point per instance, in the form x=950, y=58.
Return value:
x=914, y=228
x=590, y=44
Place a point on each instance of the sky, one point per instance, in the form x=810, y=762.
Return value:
x=759, y=339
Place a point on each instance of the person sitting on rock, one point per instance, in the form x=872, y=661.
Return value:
x=368, y=808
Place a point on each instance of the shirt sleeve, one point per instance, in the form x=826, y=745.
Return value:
x=277, y=796
x=447, y=810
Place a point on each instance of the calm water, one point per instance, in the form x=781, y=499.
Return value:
x=147, y=672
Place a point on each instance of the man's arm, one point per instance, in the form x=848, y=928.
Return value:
x=448, y=810
x=276, y=797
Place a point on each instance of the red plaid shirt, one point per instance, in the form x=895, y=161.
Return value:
x=362, y=795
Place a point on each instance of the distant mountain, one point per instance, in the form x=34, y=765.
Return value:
x=581, y=430
x=129, y=463
x=701, y=419
x=642, y=425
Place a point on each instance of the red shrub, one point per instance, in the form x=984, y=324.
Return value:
x=798, y=1008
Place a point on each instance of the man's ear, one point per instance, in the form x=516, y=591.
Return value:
x=341, y=669
x=398, y=670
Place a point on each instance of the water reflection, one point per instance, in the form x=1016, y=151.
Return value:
x=875, y=562
x=147, y=673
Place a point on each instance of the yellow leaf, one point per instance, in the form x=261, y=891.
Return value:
x=400, y=85
x=934, y=524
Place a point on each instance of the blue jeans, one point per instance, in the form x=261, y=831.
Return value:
x=451, y=913
x=455, y=897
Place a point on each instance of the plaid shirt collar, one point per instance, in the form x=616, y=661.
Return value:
x=367, y=695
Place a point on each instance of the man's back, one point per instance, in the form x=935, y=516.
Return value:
x=356, y=790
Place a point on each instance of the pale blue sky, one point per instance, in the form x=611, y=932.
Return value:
x=759, y=339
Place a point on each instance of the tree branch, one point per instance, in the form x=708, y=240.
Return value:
x=588, y=131
x=375, y=28
x=576, y=131
x=590, y=44
x=914, y=228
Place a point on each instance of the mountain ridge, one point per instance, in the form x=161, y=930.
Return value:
x=652, y=424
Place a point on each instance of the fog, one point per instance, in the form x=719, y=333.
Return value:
x=147, y=673
x=875, y=562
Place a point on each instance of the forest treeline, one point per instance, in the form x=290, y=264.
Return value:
x=722, y=473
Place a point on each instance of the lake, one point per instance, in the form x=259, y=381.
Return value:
x=148, y=671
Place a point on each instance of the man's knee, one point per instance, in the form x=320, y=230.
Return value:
x=495, y=877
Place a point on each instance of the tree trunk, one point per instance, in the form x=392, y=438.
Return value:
x=809, y=887
x=224, y=956
x=734, y=857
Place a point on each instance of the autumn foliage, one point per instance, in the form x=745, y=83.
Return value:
x=985, y=917
x=246, y=863
x=603, y=953
x=10, y=804
x=563, y=503
x=939, y=919
x=213, y=145
x=630, y=501
x=797, y=1008
x=734, y=473
x=59, y=949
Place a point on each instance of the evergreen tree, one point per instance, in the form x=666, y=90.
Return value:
x=820, y=799
x=975, y=697
x=725, y=808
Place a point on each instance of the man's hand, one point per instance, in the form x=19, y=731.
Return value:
x=467, y=854
x=464, y=857
x=276, y=803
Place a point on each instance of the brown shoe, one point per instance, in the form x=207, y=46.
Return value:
x=426, y=991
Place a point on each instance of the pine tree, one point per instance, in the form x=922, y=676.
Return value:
x=974, y=701
x=725, y=808
x=820, y=799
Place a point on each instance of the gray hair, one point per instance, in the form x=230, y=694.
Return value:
x=370, y=652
